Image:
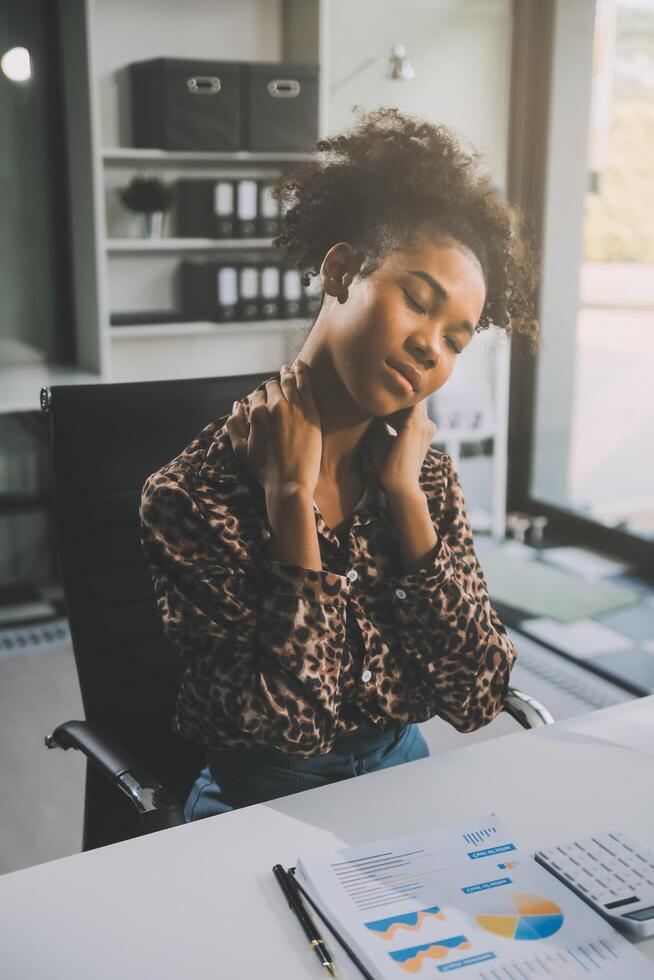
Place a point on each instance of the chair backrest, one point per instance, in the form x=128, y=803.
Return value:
x=106, y=440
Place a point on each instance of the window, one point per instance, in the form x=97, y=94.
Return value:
x=592, y=439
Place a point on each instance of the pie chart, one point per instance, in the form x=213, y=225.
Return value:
x=526, y=917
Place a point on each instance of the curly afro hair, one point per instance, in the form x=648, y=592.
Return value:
x=393, y=177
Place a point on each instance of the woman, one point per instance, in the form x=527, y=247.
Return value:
x=315, y=570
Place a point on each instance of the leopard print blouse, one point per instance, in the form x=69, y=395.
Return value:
x=288, y=657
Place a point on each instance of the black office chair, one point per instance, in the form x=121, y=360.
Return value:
x=106, y=439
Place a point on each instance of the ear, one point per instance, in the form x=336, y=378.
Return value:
x=339, y=267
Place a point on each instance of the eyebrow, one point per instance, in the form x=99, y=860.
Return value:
x=441, y=293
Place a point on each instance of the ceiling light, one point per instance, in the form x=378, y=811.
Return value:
x=16, y=64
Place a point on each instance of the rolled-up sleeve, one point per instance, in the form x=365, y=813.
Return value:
x=459, y=651
x=261, y=658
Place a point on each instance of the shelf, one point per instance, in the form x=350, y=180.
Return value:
x=127, y=156
x=199, y=328
x=154, y=245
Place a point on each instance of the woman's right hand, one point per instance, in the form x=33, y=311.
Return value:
x=281, y=443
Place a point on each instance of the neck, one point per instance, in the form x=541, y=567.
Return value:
x=343, y=424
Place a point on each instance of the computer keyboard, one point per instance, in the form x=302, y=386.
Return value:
x=35, y=636
x=566, y=688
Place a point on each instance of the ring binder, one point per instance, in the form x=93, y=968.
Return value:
x=205, y=208
x=268, y=216
x=246, y=209
x=291, y=302
x=270, y=292
x=248, y=288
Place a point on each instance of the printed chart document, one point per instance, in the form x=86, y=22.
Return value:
x=467, y=901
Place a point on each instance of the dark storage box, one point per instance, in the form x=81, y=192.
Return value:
x=281, y=107
x=181, y=104
x=206, y=208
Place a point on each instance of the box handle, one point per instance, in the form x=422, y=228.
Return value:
x=283, y=88
x=203, y=85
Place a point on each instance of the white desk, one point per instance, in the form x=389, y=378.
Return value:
x=182, y=904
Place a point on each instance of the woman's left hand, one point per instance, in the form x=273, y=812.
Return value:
x=398, y=459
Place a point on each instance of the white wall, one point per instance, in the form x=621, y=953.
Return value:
x=125, y=31
x=460, y=50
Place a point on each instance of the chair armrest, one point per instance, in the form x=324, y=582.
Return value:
x=157, y=808
x=526, y=710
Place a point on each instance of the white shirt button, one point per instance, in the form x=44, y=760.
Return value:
x=400, y=593
x=366, y=676
x=352, y=575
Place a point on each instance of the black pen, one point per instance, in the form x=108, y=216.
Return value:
x=292, y=895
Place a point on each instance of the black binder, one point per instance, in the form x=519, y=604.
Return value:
x=210, y=290
x=249, y=297
x=246, y=209
x=270, y=298
x=224, y=208
x=206, y=208
x=227, y=292
x=292, y=301
x=268, y=213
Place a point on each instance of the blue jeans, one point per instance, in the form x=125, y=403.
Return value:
x=240, y=777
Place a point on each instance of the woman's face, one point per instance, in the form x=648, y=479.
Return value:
x=418, y=309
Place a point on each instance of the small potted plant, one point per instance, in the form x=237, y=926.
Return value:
x=150, y=197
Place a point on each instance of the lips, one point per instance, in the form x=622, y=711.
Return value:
x=411, y=373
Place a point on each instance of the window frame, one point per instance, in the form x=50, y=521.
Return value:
x=541, y=40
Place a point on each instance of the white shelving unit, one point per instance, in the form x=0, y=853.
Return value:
x=129, y=157
x=146, y=245
x=202, y=328
x=115, y=272
x=185, y=348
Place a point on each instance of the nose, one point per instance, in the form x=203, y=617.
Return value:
x=427, y=348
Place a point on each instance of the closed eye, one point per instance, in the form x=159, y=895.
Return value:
x=413, y=305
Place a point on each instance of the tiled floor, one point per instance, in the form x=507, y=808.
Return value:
x=42, y=798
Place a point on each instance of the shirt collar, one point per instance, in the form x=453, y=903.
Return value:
x=222, y=467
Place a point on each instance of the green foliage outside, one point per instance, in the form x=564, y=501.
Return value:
x=619, y=225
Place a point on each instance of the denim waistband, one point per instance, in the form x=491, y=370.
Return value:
x=366, y=739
